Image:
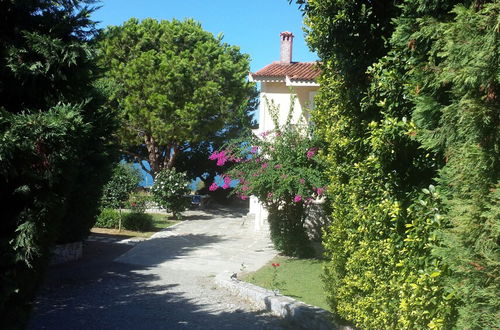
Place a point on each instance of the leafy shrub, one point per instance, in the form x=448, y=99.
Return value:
x=137, y=221
x=108, y=218
x=138, y=201
x=117, y=190
x=281, y=168
x=169, y=190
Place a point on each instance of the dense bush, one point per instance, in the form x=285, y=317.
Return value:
x=409, y=101
x=108, y=218
x=169, y=191
x=118, y=189
x=281, y=168
x=138, y=221
x=54, y=151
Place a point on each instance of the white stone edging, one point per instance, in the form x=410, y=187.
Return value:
x=302, y=315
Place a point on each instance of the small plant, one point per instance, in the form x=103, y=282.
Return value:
x=117, y=190
x=276, y=285
x=169, y=191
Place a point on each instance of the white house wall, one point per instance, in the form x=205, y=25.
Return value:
x=279, y=94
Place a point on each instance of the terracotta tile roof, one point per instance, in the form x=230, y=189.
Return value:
x=294, y=70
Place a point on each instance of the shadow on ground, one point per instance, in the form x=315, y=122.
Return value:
x=97, y=293
x=220, y=211
x=171, y=247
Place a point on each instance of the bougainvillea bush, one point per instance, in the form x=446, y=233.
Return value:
x=169, y=190
x=281, y=168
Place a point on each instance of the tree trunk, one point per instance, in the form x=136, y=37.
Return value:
x=153, y=153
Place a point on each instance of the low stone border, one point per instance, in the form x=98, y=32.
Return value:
x=302, y=315
x=66, y=252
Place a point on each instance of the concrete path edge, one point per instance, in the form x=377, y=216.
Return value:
x=300, y=314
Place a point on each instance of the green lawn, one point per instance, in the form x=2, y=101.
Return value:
x=299, y=278
x=160, y=221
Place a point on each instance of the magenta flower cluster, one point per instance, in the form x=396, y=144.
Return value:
x=311, y=152
x=223, y=156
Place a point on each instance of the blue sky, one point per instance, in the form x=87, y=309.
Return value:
x=252, y=25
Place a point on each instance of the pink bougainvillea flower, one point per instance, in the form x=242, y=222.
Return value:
x=214, y=155
x=244, y=188
x=254, y=149
x=244, y=197
x=297, y=198
x=213, y=186
x=221, y=157
x=264, y=134
x=227, y=182
x=270, y=195
x=264, y=165
x=302, y=181
x=278, y=166
x=311, y=152
x=320, y=191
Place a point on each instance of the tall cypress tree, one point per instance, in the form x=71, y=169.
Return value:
x=54, y=154
x=455, y=74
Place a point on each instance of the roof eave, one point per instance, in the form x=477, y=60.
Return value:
x=300, y=82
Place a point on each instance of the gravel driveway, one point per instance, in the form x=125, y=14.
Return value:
x=165, y=282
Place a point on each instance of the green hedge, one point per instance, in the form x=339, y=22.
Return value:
x=408, y=106
x=110, y=218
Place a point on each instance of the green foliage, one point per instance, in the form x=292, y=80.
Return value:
x=418, y=108
x=138, y=202
x=124, y=180
x=54, y=152
x=138, y=221
x=456, y=111
x=281, y=169
x=169, y=191
x=108, y=218
x=178, y=85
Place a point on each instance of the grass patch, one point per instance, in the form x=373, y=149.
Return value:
x=298, y=278
x=160, y=221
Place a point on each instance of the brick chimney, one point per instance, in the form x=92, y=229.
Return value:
x=286, y=47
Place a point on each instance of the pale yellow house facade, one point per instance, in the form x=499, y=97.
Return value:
x=278, y=82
